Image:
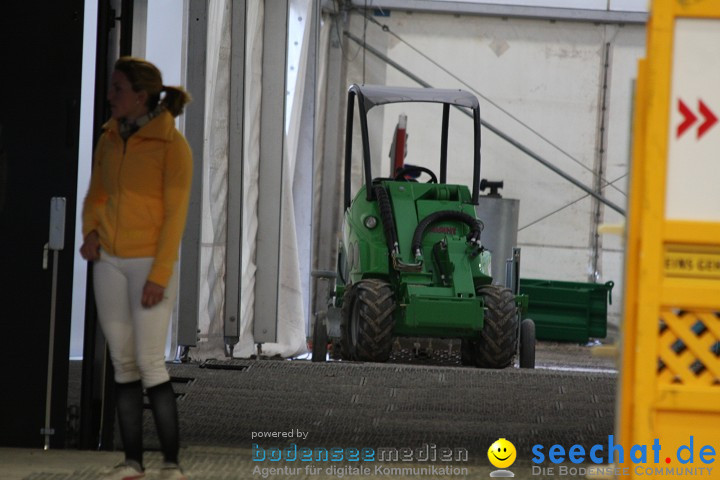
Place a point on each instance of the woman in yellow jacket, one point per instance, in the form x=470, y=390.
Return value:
x=133, y=221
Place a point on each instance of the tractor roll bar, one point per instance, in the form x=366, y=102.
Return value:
x=444, y=142
x=369, y=96
x=365, y=144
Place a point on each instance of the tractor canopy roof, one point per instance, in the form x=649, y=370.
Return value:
x=374, y=95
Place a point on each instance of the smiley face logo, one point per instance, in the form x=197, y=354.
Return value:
x=502, y=453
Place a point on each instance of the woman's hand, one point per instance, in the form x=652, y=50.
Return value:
x=152, y=294
x=90, y=249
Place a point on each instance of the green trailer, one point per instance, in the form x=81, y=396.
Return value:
x=567, y=311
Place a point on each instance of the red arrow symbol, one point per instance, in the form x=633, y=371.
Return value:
x=689, y=118
x=710, y=119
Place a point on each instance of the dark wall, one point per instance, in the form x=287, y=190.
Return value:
x=41, y=60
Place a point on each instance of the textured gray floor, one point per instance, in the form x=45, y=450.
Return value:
x=394, y=405
x=422, y=397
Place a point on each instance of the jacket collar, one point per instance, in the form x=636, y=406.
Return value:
x=161, y=127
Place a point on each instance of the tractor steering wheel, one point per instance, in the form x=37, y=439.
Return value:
x=400, y=174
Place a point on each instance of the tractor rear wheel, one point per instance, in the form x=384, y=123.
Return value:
x=497, y=344
x=367, y=321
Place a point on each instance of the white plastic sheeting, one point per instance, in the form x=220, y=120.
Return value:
x=215, y=182
x=291, y=311
x=251, y=159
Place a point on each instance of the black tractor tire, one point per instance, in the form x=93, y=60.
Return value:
x=527, y=344
x=367, y=321
x=497, y=344
x=320, y=340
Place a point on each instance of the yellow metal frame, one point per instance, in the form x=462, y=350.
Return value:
x=656, y=398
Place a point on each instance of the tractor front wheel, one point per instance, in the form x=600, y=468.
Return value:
x=367, y=321
x=527, y=344
x=320, y=339
x=498, y=340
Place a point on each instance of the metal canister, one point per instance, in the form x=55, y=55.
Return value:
x=500, y=217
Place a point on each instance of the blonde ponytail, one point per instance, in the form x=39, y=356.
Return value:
x=175, y=99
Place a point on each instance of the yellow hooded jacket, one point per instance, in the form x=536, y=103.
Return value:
x=139, y=193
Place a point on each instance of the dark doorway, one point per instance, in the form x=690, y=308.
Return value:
x=41, y=52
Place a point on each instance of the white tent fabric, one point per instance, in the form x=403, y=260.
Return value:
x=251, y=160
x=291, y=313
x=297, y=192
x=215, y=168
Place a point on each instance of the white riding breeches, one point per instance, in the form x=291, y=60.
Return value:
x=136, y=335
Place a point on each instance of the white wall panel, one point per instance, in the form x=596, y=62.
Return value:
x=373, y=72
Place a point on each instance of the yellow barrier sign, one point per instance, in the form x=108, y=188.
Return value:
x=669, y=394
x=692, y=264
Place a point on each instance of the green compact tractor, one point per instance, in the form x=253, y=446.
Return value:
x=411, y=262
